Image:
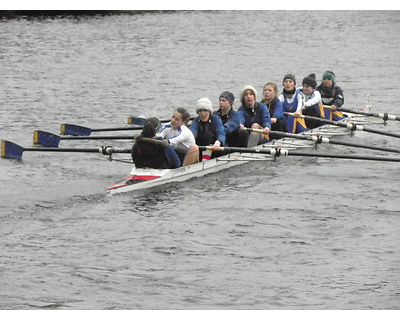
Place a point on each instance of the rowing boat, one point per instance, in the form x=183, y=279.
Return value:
x=145, y=178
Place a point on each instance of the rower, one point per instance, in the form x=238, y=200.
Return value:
x=231, y=121
x=275, y=107
x=150, y=152
x=312, y=101
x=255, y=115
x=207, y=129
x=180, y=137
x=331, y=95
x=292, y=102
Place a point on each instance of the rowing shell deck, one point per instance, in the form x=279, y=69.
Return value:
x=144, y=178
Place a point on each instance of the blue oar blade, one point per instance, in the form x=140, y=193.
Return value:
x=10, y=150
x=136, y=120
x=45, y=139
x=75, y=130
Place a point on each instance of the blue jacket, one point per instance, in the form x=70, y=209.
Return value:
x=275, y=108
x=216, y=127
x=231, y=121
x=259, y=114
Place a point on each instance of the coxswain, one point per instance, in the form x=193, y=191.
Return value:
x=150, y=152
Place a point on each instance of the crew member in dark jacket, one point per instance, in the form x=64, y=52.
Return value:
x=151, y=152
x=231, y=121
x=254, y=115
x=331, y=95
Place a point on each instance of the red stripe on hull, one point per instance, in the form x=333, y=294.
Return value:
x=131, y=179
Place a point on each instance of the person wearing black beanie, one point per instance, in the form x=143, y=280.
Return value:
x=292, y=102
x=310, y=80
x=312, y=101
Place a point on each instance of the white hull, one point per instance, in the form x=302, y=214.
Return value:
x=144, y=178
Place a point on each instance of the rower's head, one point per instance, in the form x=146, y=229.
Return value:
x=328, y=79
x=180, y=117
x=309, y=83
x=204, y=109
x=289, y=82
x=248, y=96
x=228, y=97
x=150, y=127
x=270, y=91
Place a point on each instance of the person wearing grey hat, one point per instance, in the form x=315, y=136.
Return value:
x=331, y=95
x=289, y=76
x=312, y=101
x=254, y=115
x=207, y=129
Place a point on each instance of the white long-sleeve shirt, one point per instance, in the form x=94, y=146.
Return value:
x=181, y=140
x=312, y=99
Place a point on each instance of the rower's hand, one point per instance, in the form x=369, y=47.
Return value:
x=242, y=126
x=216, y=146
x=297, y=114
x=333, y=108
x=273, y=120
x=267, y=130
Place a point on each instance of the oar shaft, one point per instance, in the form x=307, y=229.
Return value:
x=350, y=126
x=102, y=150
x=280, y=152
x=318, y=138
x=117, y=129
x=11, y=150
x=384, y=116
x=98, y=137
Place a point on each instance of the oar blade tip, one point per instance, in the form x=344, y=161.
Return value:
x=45, y=139
x=10, y=150
x=136, y=120
x=74, y=130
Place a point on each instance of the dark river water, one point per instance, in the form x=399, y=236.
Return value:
x=299, y=233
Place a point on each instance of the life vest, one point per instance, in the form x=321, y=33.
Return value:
x=294, y=125
x=149, y=153
x=290, y=106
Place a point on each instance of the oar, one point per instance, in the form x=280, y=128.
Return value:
x=349, y=125
x=279, y=152
x=318, y=138
x=140, y=121
x=10, y=150
x=75, y=130
x=384, y=116
x=47, y=139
